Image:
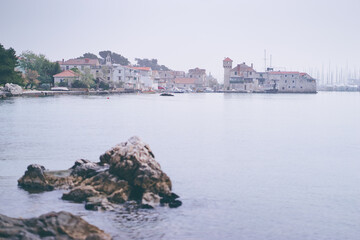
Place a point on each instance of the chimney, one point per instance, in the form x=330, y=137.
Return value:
x=252, y=65
x=63, y=61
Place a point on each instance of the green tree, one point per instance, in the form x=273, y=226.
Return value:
x=104, y=54
x=88, y=55
x=75, y=70
x=118, y=59
x=87, y=78
x=78, y=84
x=104, y=85
x=152, y=63
x=8, y=62
x=39, y=63
x=115, y=57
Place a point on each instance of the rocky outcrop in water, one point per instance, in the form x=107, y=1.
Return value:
x=61, y=225
x=37, y=179
x=126, y=172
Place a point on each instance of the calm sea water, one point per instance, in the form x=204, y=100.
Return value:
x=247, y=166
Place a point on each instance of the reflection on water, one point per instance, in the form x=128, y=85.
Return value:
x=246, y=166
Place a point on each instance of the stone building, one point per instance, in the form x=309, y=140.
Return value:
x=227, y=64
x=244, y=78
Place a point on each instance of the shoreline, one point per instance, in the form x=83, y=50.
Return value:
x=37, y=93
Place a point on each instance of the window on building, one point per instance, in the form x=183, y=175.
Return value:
x=285, y=81
x=119, y=71
x=292, y=75
x=301, y=87
x=191, y=76
x=67, y=67
x=108, y=78
x=285, y=75
x=293, y=81
x=119, y=78
x=283, y=88
x=235, y=73
x=250, y=73
x=82, y=67
x=289, y=87
x=293, y=86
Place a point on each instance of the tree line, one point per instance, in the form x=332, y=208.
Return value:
x=32, y=70
x=119, y=59
x=28, y=70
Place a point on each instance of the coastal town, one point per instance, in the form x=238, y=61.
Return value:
x=241, y=78
x=113, y=73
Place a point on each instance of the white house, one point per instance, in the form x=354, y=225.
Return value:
x=80, y=64
x=125, y=76
x=146, y=77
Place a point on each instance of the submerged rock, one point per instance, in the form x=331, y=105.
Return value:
x=61, y=225
x=126, y=172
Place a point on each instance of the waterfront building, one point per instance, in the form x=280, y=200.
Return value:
x=244, y=78
x=227, y=64
x=186, y=83
x=65, y=78
x=145, y=78
x=290, y=82
x=200, y=75
x=125, y=77
x=80, y=64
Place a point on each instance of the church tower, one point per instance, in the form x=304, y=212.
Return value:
x=108, y=60
x=227, y=64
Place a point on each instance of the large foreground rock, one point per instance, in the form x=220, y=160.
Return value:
x=61, y=225
x=126, y=172
x=134, y=162
x=14, y=89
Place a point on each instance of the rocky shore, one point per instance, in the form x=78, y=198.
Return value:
x=13, y=90
x=51, y=226
x=10, y=90
x=126, y=172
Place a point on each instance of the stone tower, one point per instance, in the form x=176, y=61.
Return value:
x=108, y=60
x=227, y=64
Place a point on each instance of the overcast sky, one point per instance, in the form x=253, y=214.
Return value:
x=185, y=34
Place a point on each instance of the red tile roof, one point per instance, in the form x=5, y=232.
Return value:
x=227, y=60
x=242, y=68
x=185, y=80
x=67, y=73
x=142, y=68
x=280, y=73
x=82, y=61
